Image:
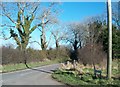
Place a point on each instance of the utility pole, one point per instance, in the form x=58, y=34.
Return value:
x=109, y=23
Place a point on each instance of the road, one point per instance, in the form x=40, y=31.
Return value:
x=36, y=76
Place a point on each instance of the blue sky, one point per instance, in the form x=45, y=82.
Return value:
x=71, y=11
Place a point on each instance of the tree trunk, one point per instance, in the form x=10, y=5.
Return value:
x=57, y=44
x=75, y=45
x=43, y=39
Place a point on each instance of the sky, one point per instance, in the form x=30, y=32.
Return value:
x=70, y=11
x=73, y=11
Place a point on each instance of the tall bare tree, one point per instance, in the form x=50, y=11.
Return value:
x=49, y=14
x=21, y=21
x=20, y=28
x=76, y=34
x=58, y=35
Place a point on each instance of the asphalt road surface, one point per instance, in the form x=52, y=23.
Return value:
x=36, y=76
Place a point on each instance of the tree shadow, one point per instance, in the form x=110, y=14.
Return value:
x=29, y=67
x=45, y=71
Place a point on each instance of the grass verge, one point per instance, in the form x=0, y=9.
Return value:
x=21, y=66
x=83, y=80
x=72, y=77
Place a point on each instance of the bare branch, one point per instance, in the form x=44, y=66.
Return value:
x=35, y=9
x=39, y=29
x=4, y=36
x=35, y=42
x=8, y=16
x=3, y=25
x=5, y=13
x=36, y=26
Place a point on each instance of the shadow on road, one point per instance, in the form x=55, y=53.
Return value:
x=45, y=71
x=25, y=62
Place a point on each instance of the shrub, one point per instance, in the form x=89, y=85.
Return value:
x=9, y=55
x=92, y=53
x=13, y=56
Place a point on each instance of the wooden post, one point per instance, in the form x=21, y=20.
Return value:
x=109, y=21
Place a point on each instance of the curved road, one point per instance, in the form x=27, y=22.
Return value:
x=36, y=76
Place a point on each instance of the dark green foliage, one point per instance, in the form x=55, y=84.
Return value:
x=115, y=41
x=96, y=48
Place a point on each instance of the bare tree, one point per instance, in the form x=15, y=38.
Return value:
x=23, y=20
x=76, y=34
x=20, y=20
x=58, y=35
x=49, y=14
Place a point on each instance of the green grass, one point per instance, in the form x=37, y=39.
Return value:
x=85, y=79
x=65, y=76
x=68, y=79
x=21, y=66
